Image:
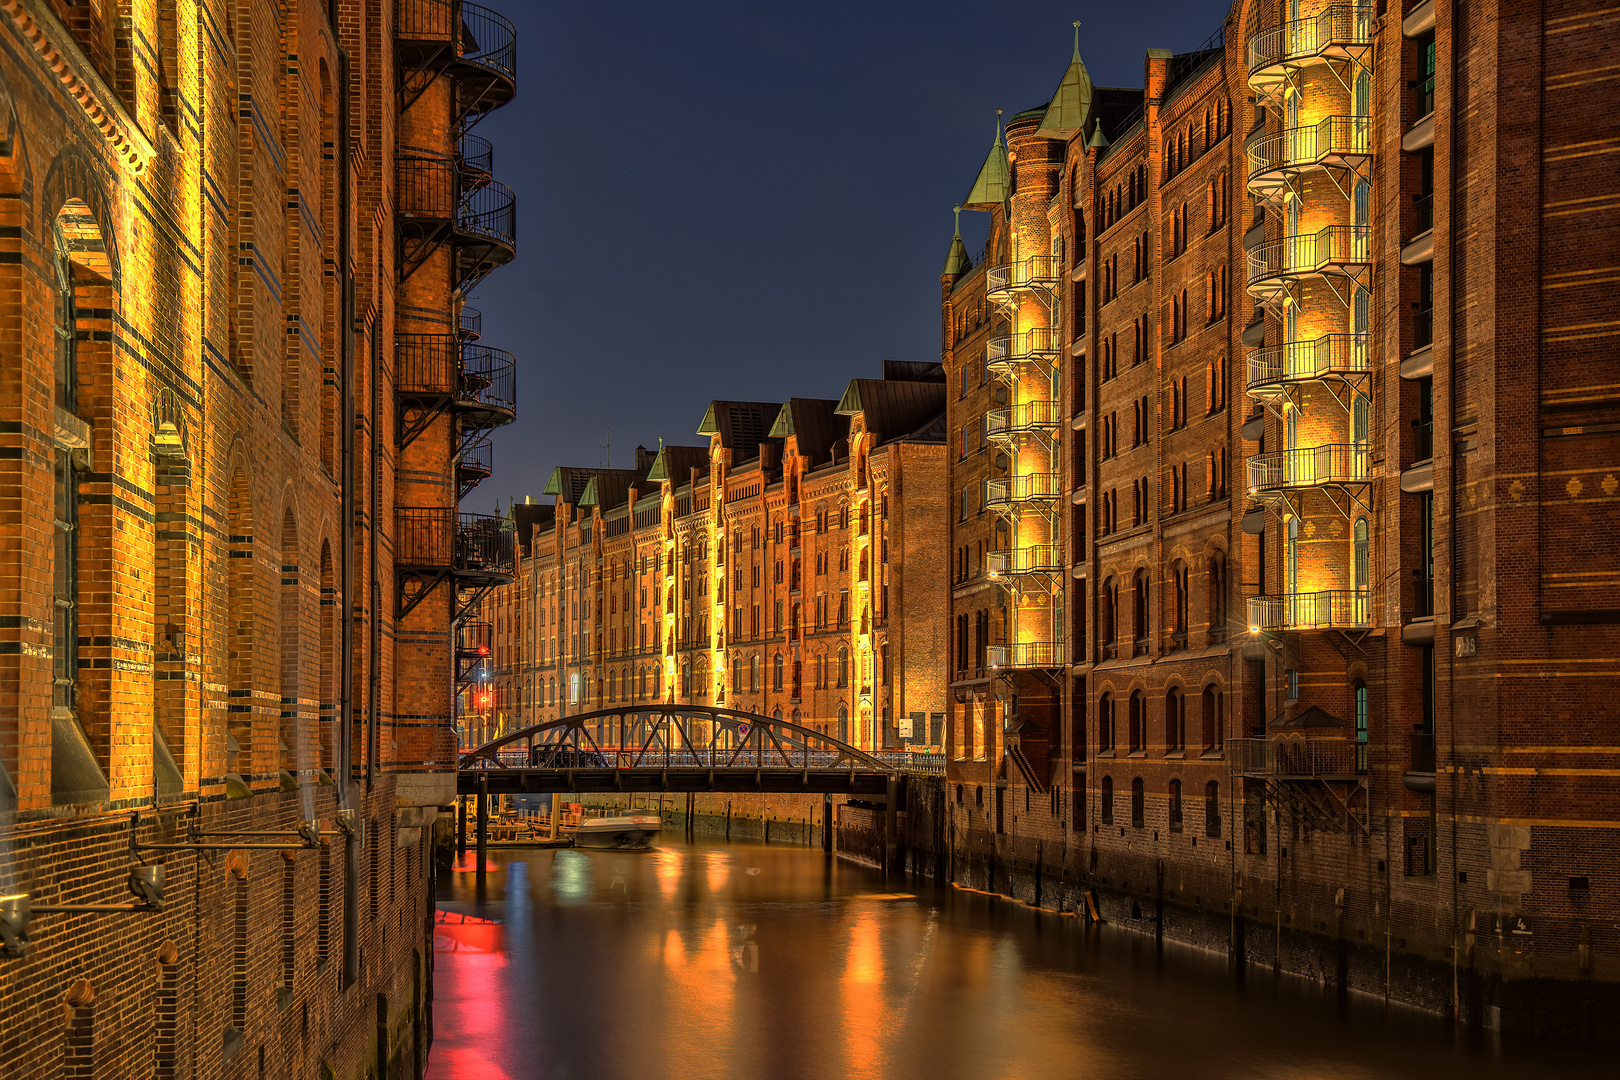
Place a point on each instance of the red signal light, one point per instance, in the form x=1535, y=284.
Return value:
x=483, y=650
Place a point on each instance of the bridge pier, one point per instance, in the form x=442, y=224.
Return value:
x=891, y=831
x=483, y=827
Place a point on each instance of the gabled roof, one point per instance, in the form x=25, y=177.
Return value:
x=1313, y=717
x=815, y=425
x=609, y=487
x=1071, y=104
x=741, y=425
x=893, y=409
x=993, y=185
x=568, y=482
x=676, y=463
x=913, y=371
x=525, y=516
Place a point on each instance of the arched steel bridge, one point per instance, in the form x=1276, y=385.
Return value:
x=672, y=748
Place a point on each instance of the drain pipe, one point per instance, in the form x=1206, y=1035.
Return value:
x=345, y=747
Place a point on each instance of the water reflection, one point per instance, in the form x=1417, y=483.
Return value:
x=743, y=961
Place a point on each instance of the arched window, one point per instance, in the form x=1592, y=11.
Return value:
x=843, y=666
x=1105, y=723
x=776, y=672
x=1175, y=720
x=1178, y=577
x=1138, y=721
x=1359, y=408
x=1360, y=546
x=958, y=794
x=753, y=674
x=843, y=723
x=1138, y=803
x=776, y=713
x=1107, y=625
x=1291, y=563
x=1360, y=703
x=1215, y=596
x=1105, y=798
x=1213, y=719
x=1175, y=806
x=1139, y=589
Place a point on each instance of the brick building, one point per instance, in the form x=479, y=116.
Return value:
x=241, y=400
x=788, y=568
x=1335, y=451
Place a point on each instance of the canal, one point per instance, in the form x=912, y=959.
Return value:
x=714, y=960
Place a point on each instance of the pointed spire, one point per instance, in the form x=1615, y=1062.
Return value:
x=1098, y=140
x=994, y=184
x=956, y=260
x=1071, y=103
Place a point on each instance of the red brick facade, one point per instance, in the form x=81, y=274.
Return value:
x=789, y=568
x=1339, y=466
x=212, y=249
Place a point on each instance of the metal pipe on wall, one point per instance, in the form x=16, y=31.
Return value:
x=345, y=762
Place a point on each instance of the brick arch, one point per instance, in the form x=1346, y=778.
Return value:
x=74, y=186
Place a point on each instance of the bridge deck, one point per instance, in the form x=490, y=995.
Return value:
x=778, y=781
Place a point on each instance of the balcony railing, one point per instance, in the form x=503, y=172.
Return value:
x=436, y=365
x=1310, y=253
x=1324, y=610
x=1333, y=137
x=1033, y=272
x=1303, y=361
x=1294, y=758
x=1011, y=490
x=1035, y=559
x=1337, y=25
x=443, y=538
x=476, y=156
x=1016, y=419
x=1023, y=347
x=1311, y=466
x=1026, y=654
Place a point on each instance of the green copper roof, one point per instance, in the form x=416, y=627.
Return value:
x=956, y=259
x=994, y=184
x=710, y=425
x=554, y=485
x=1071, y=104
x=782, y=426
x=850, y=403
x=1098, y=140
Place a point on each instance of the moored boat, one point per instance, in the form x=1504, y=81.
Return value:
x=620, y=831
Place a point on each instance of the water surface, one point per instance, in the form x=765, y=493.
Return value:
x=720, y=961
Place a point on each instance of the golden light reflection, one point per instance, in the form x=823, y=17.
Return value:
x=667, y=868
x=863, y=973
x=718, y=865
x=704, y=984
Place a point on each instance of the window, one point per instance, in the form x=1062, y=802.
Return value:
x=1359, y=546
x=843, y=666
x=1138, y=804
x=1178, y=577
x=1139, y=589
x=1107, y=626
x=1215, y=596
x=1212, y=809
x=1137, y=722
x=776, y=672
x=1105, y=724
x=1105, y=799
x=1175, y=721
x=1213, y=720
x=1360, y=696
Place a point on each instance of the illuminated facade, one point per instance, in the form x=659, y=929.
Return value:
x=1321, y=416
x=788, y=568
x=242, y=396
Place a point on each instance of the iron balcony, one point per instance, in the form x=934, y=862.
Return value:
x=1337, y=32
x=477, y=547
x=1034, y=559
x=1002, y=355
x=1013, y=490
x=1331, y=249
x=1025, y=655
x=1028, y=418
x=474, y=46
x=444, y=372
x=1327, y=609
x=1308, y=467
x=1035, y=272
x=1326, y=357
x=439, y=203
x=1295, y=758
x=1341, y=141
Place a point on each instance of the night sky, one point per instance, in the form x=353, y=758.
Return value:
x=750, y=201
